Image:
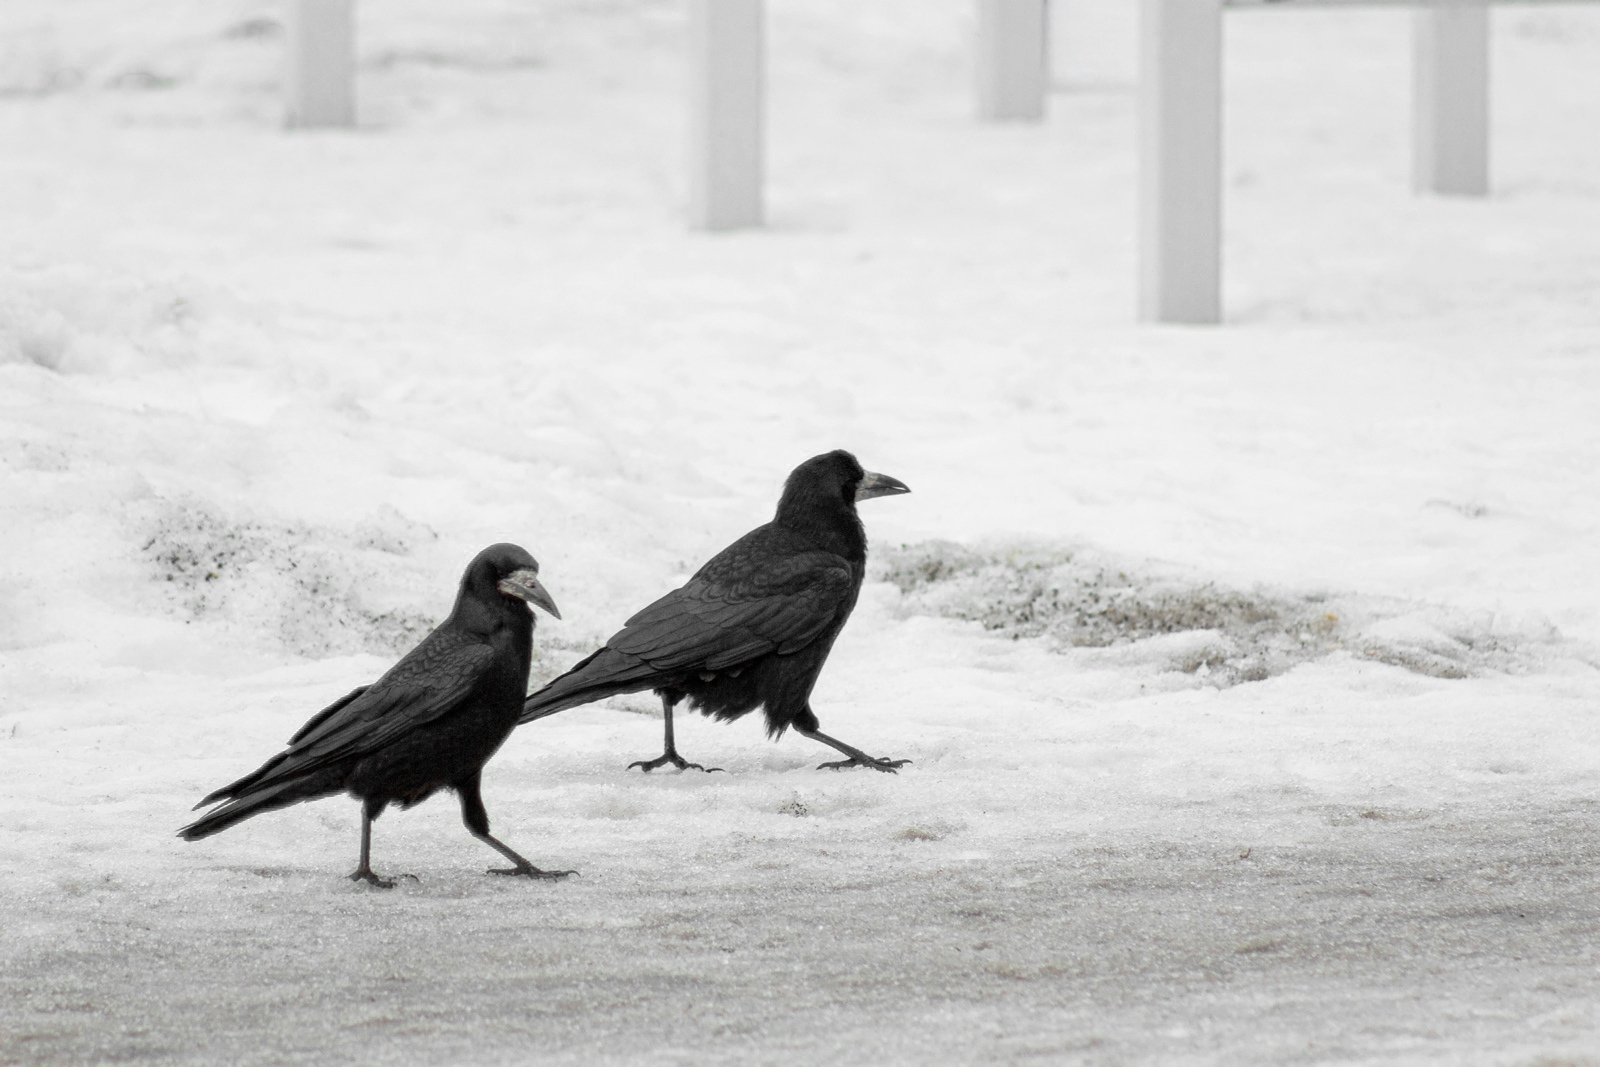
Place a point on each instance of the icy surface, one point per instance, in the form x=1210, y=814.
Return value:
x=1249, y=673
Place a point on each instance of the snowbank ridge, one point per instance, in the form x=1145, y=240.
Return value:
x=313, y=588
x=1077, y=597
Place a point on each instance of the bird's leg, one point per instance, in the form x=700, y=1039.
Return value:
x=671, y=754
x=523, y=867
x=364, y=872
x=857, y=758
x=476, y=818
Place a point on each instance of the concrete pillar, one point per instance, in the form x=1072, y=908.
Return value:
x=726, y=105
x=1180, y=161
x=1012, y=59
x=320, y=67
x=1451, y=135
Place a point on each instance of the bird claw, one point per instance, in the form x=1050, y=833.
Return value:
x=884, y=764
x=530, y=871
x=366, y=875
x=673, y=758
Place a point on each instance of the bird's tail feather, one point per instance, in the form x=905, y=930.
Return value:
x=606, y=673
x=234, y=790
x=245, y=803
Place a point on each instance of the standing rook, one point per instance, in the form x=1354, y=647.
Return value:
x=753, y=627
x=430, y=723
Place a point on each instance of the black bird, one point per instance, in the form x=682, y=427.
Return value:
x=753, y=627
x=430, y=723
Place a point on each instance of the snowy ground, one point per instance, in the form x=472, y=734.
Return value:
x=1250, y=674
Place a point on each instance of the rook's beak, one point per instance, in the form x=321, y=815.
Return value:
x=875, y=484
x=524, y=585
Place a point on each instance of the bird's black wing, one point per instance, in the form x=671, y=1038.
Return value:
x=327, y=713
x=727, y=615
x=766, y=592
x=429, y=682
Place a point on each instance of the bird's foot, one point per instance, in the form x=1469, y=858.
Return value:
x=528, y=870
x=672, y=758
x=884, y=764
x=365, y=874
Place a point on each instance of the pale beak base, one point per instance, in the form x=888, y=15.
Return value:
x=524, y=585
x=875, y=484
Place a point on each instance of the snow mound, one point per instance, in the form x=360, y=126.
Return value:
x=316, y=591
x=70, y=319
x=160, y=46
x=1076, y=598
x=310, y=590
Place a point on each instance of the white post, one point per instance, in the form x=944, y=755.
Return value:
x=320, y=69
x=1012, y=61
x=1451, y=136
x=1180, y=161
x=725, y=113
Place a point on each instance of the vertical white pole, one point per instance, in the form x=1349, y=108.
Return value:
x=320, y=69
x=1451, y=137
x=1012, y=60
x=725, y=113
x=1180, y=161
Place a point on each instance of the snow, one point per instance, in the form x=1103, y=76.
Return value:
x=264, y=394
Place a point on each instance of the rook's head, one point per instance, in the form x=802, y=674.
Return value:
x=507, y=571
x=833, y=481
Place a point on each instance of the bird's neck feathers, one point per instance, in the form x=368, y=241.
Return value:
x=824, y=518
